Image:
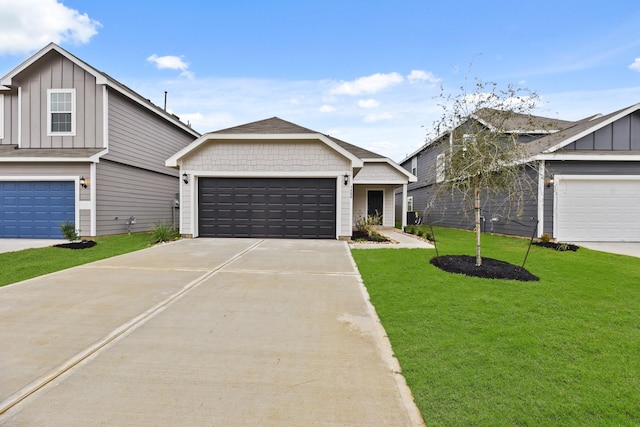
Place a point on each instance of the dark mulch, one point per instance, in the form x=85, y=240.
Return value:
x=490, y=268
x=558, y=246
x=374, y=237
x=85, y=244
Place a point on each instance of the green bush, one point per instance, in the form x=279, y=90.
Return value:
x=69, y=231
x=163, y=232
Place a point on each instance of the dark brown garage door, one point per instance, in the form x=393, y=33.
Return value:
x=299, y=208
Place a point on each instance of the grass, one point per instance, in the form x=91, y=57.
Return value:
x=562, y=351
x=28, y=263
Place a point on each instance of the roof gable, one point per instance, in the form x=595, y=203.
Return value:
x=581, y=128
x=101, y=78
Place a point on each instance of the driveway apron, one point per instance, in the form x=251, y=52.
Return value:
x=201, y=332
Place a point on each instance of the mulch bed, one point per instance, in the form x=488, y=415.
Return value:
x=558, y=246
x=359, y=236
x=490, y=268
x=85, y=244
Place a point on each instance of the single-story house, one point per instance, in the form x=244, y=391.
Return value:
x=586, y=180
x=78, y=146
x=273, y=178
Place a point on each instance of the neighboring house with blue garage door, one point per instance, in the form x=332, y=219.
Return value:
x=76, y=145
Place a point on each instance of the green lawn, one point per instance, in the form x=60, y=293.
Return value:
x=28, y=263
x=561, y=351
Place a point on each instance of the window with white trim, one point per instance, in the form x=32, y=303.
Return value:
x=61, y=112
x=409, y=203
x=441, y=167
x=414, y=166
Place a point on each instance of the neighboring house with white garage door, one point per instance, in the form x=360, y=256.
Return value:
x=273, y=178
x=75, y=145
x=587, y=181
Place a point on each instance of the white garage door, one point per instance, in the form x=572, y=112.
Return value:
x=597, y=208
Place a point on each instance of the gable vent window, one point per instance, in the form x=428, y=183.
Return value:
x=61, y=111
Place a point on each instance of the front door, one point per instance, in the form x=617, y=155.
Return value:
x=375, y=204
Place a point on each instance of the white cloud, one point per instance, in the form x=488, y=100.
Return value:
x=369, y=84
x=417, y=76
x=368, y=103
x=27, y=25
x=172, y=63
x=636, y=65
x=376, y=117
x=327, y=109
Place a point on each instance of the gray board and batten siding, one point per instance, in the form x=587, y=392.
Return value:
x=57, y=72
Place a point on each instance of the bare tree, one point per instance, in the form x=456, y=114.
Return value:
x=484, y=155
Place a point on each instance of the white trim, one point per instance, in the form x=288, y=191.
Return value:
x=72, y=132
x=541, y=187
x=94, y=204
x=105, y=118
x=1, y=116
x=405, y=208
x=194, y=177
x=263, y=174
x=620, y=156
x=338, y=219
x=51, y=159
x=173, y=160
x=74, y=178
x=19, y=116
x=378, y=182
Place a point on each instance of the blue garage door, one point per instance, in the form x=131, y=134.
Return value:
x=30, y=209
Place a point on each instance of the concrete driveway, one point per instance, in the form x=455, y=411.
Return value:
x=201, y=332
x=11, y=245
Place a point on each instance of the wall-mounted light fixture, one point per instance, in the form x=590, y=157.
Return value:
x=346, y=179
x=185, y=178
x=83, y=182
x=548, y=182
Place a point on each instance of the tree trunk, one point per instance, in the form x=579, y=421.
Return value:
x=476, y=196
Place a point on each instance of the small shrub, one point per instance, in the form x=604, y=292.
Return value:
x=545, y=238
x=69, y=231
x=411, y=229
x=164, y=233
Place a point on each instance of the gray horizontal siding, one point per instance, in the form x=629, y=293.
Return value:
x=138, y=137
x=124, y=191
x=56, y=72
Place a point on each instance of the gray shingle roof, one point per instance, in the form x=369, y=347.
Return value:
x=276, y=125
x=516, y=122
x=13, y=151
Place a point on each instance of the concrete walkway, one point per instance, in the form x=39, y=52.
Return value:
x=12, y=245
x=201, y=332
x=403, y=241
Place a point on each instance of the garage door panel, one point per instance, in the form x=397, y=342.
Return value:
x=35, y=209
x=603, y=208
x=273, y=207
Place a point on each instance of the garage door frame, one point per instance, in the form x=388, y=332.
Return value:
x=338, y=176
x=49, y=178
x=559, y=180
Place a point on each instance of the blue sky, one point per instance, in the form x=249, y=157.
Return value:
x=363, y=71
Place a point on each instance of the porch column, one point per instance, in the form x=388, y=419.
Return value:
x=404, y=206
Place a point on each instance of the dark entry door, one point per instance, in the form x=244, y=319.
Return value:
x=375, y=203
x=267, y=207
